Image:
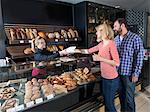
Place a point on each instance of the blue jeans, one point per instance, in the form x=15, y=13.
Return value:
x=109, y=88
x=127, y=90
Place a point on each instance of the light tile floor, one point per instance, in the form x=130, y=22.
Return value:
x=142, y=101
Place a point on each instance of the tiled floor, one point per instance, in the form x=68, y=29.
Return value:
x=142, y=101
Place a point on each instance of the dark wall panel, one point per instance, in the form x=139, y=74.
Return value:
x=2, y=36
x=36, y=12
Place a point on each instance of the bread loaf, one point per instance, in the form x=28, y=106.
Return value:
x=22, y=32
x=51, y=35
x=31, y=34
x=27, y=33
x=28, y=51
x=42, y=34
x=72, y=32
x=57, y=35
x=61, y=47
x=13, y=34
x=64, y=33
x=34, y=31
x=18, y=34
x=76, y=33
x=69, y=34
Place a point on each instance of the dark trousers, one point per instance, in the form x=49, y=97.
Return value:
x=127, y=90
x=109, y=88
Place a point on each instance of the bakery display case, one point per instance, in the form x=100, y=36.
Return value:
x=19, y=91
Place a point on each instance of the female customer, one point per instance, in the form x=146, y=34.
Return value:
x=109, y=59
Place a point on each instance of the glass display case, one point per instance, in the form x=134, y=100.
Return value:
x=67, y=79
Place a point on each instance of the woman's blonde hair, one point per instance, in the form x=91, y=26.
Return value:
x=106, y=30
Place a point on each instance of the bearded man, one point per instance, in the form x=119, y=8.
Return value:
x=131, y=54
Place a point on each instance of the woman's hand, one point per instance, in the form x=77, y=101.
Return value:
x=77, y=51
x=63, y=52
x=84, y=51
x=96, y=57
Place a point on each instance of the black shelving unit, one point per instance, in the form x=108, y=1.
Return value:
x=88, y=15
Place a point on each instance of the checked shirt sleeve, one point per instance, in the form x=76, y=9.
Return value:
x=138, y=56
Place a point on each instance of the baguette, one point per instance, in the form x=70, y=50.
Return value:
x=12, y=34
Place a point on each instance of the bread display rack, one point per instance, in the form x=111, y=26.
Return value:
x=22, y=34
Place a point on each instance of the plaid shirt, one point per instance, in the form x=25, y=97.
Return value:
x=131, y=53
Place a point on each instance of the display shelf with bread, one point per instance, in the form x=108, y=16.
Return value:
x=23, y=33
x=20, y=37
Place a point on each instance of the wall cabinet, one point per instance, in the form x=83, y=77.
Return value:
x=88, y=15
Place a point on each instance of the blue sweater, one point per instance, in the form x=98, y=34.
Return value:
x=43, y=55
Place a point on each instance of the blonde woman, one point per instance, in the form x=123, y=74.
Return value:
x=109, y=59
x=40, y=50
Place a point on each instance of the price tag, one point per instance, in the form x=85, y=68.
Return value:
x=11, y=110
x=39, y=100
x=75, y=39
x=66, y=39
x=20, y=107
x=56, y=40
x=29, y=104
x=50, y=96
x=58, y=64
x=30, y=41
x=21, y=41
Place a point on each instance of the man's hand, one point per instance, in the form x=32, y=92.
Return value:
x=134, y=79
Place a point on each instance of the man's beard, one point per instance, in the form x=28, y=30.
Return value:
x=118, y=32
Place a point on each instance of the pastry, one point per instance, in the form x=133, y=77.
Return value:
x=9, y=104
x=6, y=93
x=71, y=87
x=26, y=100
x=35, y=96
x=34, y=80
